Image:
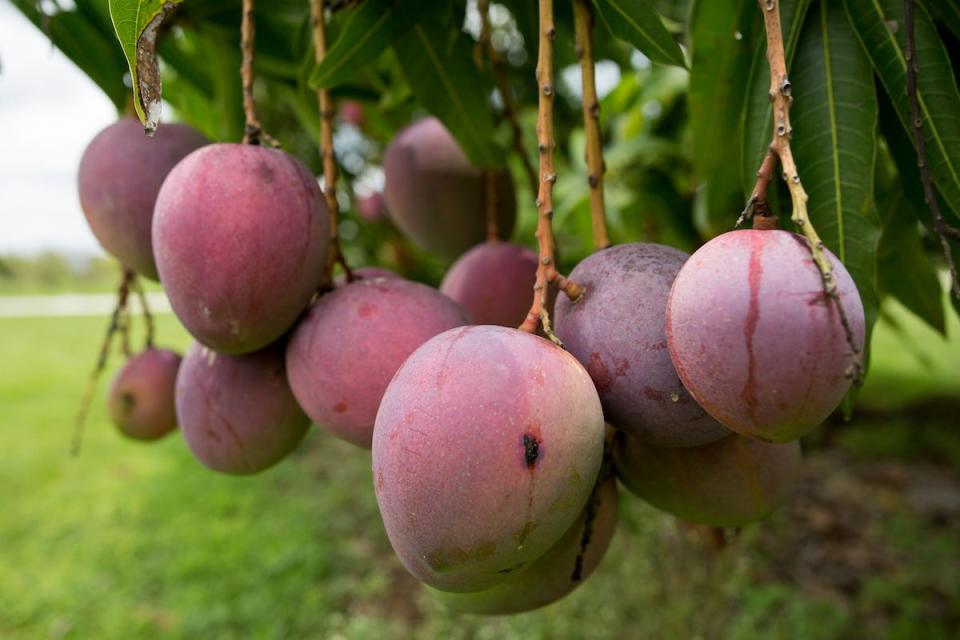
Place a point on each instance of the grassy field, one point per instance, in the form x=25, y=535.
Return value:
x=139, y=541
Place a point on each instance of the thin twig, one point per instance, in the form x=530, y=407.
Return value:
x=123, y=291
x=123, y=328
x=490, y=204
x=502, y=81
x=252, y=132
x=546, y=269
x=757, y=203
x=147, y=315
x=593, y=150
x=326, y=144
x=940, y=227
x=781, y=97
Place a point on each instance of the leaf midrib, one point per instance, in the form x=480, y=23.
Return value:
x=835, y=157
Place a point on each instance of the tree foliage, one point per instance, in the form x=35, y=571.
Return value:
x=684, y=110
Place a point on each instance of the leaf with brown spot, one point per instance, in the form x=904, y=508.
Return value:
x=137, y=24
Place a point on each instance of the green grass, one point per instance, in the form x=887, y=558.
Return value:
x=910, y=361
x=139, y=541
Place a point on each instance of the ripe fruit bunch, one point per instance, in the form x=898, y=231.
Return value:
x=495, y=452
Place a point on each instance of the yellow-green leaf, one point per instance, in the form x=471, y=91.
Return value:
x=137, y=23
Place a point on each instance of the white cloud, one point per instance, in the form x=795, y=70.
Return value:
x=49, y=111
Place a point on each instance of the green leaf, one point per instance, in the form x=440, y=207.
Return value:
x=903, y=268
x=445, y=80
x=371, y=28
x=902, y=151
x=947, y=13
x=83, y=42
x=137, y=23
x=638, y=24
x=879, y=25
x=718, y=77
x=834, y=119
x=758, y=113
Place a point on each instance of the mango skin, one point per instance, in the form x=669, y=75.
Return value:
x=241, y=236
x=616, y=330
x=141, y=396
x=754, y=338
x=118, y=180
x=344, y=352
x=554, y=574
x=493, y=282
x=237, y=413
x=436, y=197
x=486, y=447
x=728, y=483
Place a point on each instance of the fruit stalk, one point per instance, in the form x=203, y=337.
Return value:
x=781, y=97
x=593, y=151
x=940, y=227
x=123, y=293
x=546, y=268
x=502, y=83
x=252, y=132
x=123, y=328
x=326, y=143
x=147, y=315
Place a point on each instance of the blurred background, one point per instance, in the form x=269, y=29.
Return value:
x=139, y=541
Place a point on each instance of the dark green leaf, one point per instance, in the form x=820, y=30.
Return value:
x=947, y=13
x=902, y=152
x=722, y=33
x=372, y=27
x=758, y=113
x=834, y=118
x=446, y=81
x=638, y=24
x=903, y=268
x=878, y=24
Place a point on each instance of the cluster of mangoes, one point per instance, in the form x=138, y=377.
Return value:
x=489, y=445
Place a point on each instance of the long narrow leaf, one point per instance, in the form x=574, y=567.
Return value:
x=446, y=81
x=834, y=120
x=879, y=25
x=137, y=23
x=637, y=23
x=373, y=27
x=722, y=32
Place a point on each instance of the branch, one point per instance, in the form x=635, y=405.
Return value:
x=326, y=145
x=116, y=319
x=501, y=81
x=593, y=152
x=940, y=227
x=780, y=96
x=546, y=269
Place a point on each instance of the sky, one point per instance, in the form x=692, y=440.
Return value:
x=49, y=111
